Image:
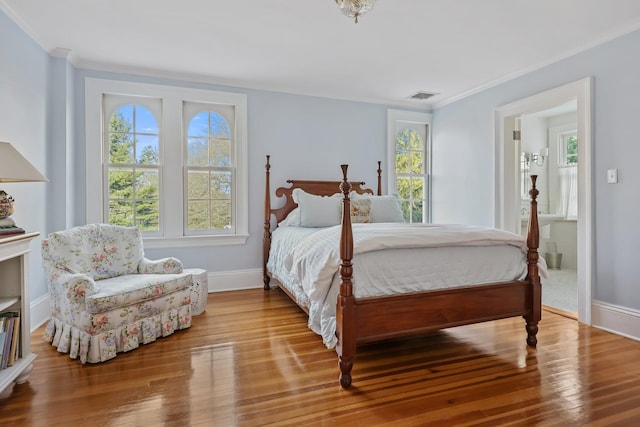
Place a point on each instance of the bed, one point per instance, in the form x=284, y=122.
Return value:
x=369, y=298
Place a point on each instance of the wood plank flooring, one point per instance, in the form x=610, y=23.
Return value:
x=250, y=360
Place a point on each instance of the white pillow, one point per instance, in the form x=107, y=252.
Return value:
x=292, y=219
x=317, y=211
x=384, y=208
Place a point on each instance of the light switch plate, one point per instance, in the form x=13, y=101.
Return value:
x=612, y=176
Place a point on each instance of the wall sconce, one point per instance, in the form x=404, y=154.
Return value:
x=537, y=158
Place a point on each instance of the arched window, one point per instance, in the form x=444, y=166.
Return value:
x=133, y=185
x=209, y=170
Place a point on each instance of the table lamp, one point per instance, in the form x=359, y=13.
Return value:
x=13, y=168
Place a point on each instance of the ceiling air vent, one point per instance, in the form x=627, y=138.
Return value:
x=421, y=96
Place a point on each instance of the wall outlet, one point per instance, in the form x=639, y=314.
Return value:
x=612, y=176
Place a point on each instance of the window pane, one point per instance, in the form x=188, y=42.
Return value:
x=417, y=162
x=120, y=183
x=403, y=187
x=572, y=150
x=220, y=150
x=221, y=214
x=406, y=205
x=148, y=215
x=199, y=125
x=417, y=211
x=197, y=152
x=402, y=162
x=147, y=149
x=402, y=141
x=415, y=142
x=221, y=185
x=417, y=188
x=198, y=184
x=121, y=213
x=145, y=122
x=125, y=114
x=219, y=128
x=198, y=215
x=147, y=184
x=120, y=137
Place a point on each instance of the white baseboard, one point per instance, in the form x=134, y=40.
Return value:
x=618, y=320
x=220, y=281
x=39, y=312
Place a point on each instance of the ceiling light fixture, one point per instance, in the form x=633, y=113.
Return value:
x=355, y=8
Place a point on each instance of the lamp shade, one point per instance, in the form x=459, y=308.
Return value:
x=15, y=168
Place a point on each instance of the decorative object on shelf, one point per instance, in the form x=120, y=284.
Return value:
x=14, y=168
x=355, y=8
x=6, y=205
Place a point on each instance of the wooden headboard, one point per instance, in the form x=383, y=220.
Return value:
x=319, y=188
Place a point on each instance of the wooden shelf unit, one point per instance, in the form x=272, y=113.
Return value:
x=14, y=294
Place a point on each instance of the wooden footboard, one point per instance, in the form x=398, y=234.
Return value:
x=373, y=319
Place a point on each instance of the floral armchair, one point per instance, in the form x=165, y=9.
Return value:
x=106, y=297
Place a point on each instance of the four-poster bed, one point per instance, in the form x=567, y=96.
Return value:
x=362, y=319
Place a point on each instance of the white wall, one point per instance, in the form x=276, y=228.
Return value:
x=24, y=119
x=464, y=143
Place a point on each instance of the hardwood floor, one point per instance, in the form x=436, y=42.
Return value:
x=251, y=360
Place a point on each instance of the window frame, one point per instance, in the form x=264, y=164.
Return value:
x=172, y=158
x=394, y=119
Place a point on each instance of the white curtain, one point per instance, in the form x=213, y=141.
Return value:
x=568, y=197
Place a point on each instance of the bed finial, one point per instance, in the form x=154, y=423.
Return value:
x=379, y=178
x=345, y=184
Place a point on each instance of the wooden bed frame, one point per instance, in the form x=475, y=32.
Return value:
x=363, y=320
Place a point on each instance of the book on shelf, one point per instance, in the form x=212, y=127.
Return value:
x=7, y=342
x=3, y=338
x=15, y=341
x=10, y=329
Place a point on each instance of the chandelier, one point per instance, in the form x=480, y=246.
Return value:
x=355, y=8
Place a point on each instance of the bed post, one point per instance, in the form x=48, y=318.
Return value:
x=346, y=308
x=379, y=178
x=533, y=274
x=266, y=238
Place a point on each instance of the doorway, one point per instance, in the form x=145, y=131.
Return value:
x=548, y=149
x=509, y=176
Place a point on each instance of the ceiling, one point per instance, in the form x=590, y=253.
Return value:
x=450, y=47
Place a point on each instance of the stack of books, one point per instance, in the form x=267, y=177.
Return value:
x=8, y=227
x=9, y=337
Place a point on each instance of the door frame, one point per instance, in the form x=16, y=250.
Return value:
x=508, y=162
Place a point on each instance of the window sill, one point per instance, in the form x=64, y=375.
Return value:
x=193, y=241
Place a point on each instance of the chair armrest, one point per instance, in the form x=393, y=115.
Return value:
x=168, y=265
x=72, y=286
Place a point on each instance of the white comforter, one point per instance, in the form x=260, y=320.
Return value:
x=314, y=260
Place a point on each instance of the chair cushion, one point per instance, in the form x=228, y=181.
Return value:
x=130, y=289
x=98, y=250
